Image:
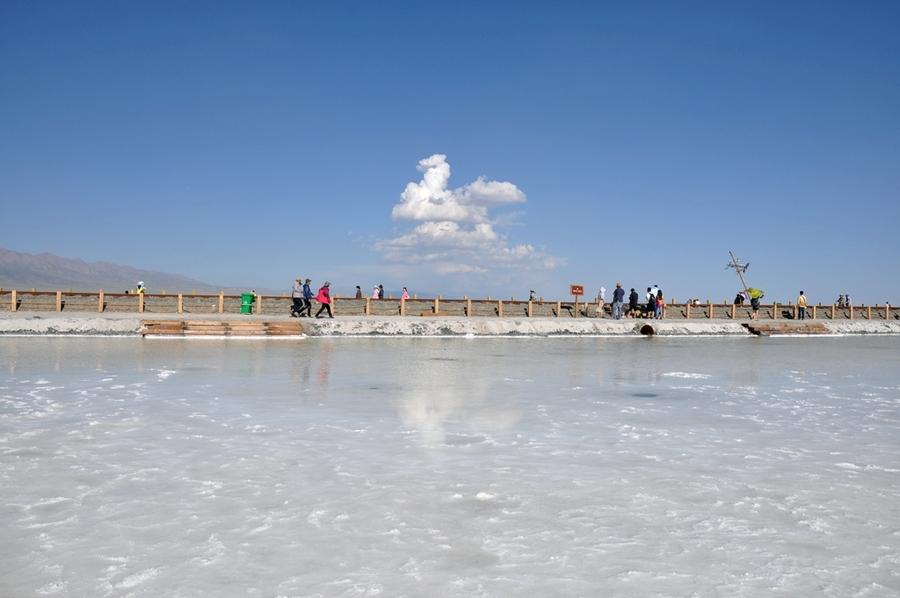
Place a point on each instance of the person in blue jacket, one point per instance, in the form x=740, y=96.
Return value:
x=307, y=300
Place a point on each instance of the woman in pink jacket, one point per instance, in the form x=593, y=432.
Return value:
x=324, y=297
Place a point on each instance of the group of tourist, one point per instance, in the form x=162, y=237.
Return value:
x=302, y=298
x=843, y=301
x=653, y=306
x=378, y=292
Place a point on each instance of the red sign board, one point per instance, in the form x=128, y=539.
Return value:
x=576, y=289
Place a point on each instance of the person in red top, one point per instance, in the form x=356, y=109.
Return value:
x=324, y=297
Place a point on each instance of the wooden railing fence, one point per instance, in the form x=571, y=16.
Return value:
x=220, y=303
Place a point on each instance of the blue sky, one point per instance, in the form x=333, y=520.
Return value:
x=246, y=143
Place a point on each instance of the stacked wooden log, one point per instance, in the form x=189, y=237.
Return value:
x=769, y=329
x=220, y=328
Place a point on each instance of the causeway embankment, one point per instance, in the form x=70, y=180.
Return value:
x=130, y=324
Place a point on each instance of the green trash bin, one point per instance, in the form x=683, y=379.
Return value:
x=247, y=300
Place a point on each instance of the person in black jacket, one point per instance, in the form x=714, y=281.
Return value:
x=633, y=303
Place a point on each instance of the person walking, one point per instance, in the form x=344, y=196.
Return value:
x=660, y=305
x=358, y=292
x=618, y=301
x=381, y=291
x=375, y=292
x=801, y=306
x=324, y=297
x=633, y=299
x=754, y=306
x=297, y=297
x=404, y=294
x=307, y=300
x=651, y=304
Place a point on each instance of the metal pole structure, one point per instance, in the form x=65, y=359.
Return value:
x=739, y=268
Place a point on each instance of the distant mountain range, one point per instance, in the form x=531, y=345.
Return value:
x=46, y=271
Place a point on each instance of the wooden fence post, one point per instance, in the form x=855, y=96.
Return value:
x=851, y=311
x=180, y=303
x=711, y=308
x=794, y=308
x=468, y=307
x=141, y=302
x=100, y=302
x=221, y=302
x=887, y=311
x=687, y=310
x=558, y=308
x=869, y=312
x=437, y=305
x=499, y=309
x=259, y=305
x=14, y=305
x=774, y=309
x=529, y=308
x=733, y=311
x=832, y=311
x=814, y=312
x=368, y=306
x=334, y=305
x=58, y=300
x=402, y=306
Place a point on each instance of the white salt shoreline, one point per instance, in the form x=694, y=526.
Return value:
x=87, y=324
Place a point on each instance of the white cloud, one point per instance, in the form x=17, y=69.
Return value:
x=455, y=234
x=431, y=200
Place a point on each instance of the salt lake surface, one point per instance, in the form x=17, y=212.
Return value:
x=450, y=467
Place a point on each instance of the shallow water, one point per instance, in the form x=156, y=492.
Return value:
x=450, y=467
